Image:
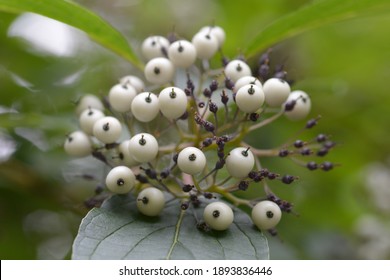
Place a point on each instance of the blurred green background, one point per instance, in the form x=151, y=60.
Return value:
x=345, y=67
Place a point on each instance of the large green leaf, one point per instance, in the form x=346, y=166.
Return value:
x=75, y=15
x=118, y=231
x=312, y=16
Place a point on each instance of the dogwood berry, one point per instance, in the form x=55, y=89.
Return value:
x=182, y=53
x=150, y=201
x=266, y=214
x=218, y=215
x=120, y=180
x=78, y=144
x=172, y=102
x=276, y=91
x=125, y=156
x=300, y=105
x=249, y=98
x=237, y=69
x=143, y=147
x=216, y=31
x=107, y=129
x=134, y=81
x=206, y=45
x=159, y=71
x=240, y=162
x=246, y=80
x=120, y=97
x=88, y=118
x=89, y=101
x=145, y=106
x=191, y=160
x=154, y=46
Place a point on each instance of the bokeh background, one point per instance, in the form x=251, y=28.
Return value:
x=345, y=67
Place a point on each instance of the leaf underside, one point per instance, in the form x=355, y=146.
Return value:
x=118, y=231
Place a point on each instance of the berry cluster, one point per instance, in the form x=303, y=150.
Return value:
x=187, y=130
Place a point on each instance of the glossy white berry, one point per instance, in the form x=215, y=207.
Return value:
x=237, y=69
x=249, y=98
x=246, y=80
x=78, y=144
x=154, y=46
x=182, y=53
x=206, y=45
x=216, y=31
x=121, y=96
x=143, y=147
x=120, y=180
x=145, y=106
x=159, y=71
x=172, y=102
x=218, y=215
x=88, y=118
x=107, y=129
x=124, y=155
x=239, y=162
x=276, y=91
x=301, y=107
x=150, y=201
x=89, y=101
x=191, y=160
x=266, y=214
x=134, y=81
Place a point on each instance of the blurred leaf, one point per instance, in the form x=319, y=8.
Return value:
x=75, y=15
x=312, y=16
x=117, y=231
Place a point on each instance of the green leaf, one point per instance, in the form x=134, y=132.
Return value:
x=118, y=231
x=312, y=16
x=77, y=16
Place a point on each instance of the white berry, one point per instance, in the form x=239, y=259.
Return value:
x=124, y=154
x=150, y=201
x=218, y=215
x=276, y=91
x=120, y=180
x=301, y=107
x=239, y=162
x=107, y=129
x=154, y=46
x=206, y=45
x=237, y=69
x=266, y=214
x=159, y=71
x=89, y=101
x=182, y=53
x=216, y=31
x=143, y=147
x=250, y=98
x=246, y=80
x=191, y=160
x=121, y=96
x=78, y=144
x=88, y=118
x=134, y=81
x=172, y=102
x=145, y=106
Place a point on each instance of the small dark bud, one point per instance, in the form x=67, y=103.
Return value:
x=229, y=83
x=208, y=195
x=254, y=117
x=224, y=97
x=213, y=86
x=272, y=175
x=321, y=138
x=220, y=163
x=187, y=91
x=243, y=185
x=141, y=178
x=299, y=144
x=312, y=165
x=207, y=93
x=329, y=144
x=213, y=107
x=311, y=123
x=207, y=142
x=252, y=174
x=288, y=179
x=165, y=173
x=208, y=126
x=326, y=166
x=306, y=152
x=322, y=152
x=185, y=205
x=187, y=187
x=284, y=153
x=264, y=71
